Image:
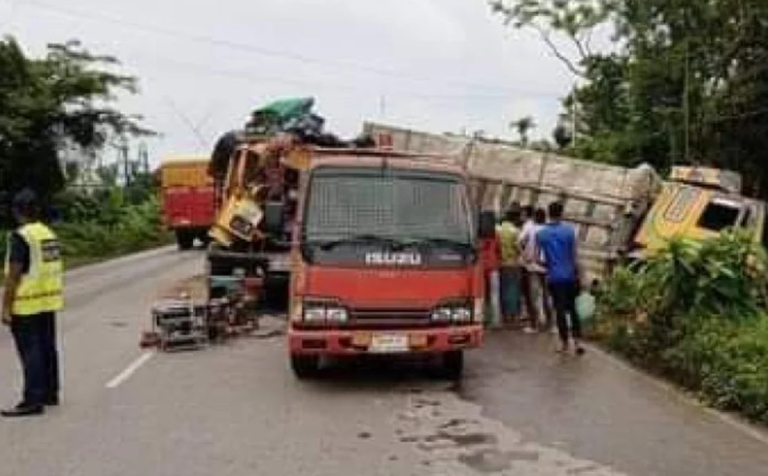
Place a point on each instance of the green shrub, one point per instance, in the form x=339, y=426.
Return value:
x=726, y=362
x=104, y=225
x=122, y=229
x=696, y=313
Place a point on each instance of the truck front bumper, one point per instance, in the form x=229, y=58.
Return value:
x=338, y=342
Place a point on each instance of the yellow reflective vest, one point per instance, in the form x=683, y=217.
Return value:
x=41, y=288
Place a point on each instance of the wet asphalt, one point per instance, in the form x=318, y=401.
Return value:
x=236, y=409
x=598, y=408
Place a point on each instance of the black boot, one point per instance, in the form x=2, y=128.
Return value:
x=23, y=409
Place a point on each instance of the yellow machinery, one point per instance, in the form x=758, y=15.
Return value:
x=258, y=197
x=698, y=203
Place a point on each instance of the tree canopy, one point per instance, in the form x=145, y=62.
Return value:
x=686, y=80
x=61, y=101
x=523, y=126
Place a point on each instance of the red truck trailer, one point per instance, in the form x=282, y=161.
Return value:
x=188, y=199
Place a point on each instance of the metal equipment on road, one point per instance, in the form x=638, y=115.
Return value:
x=202, y=311
x=178, y=324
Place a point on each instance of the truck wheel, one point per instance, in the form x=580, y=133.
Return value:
x=453, y=365
x=184, y=240
x=305, y=366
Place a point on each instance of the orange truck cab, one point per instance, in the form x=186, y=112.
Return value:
x=384, y=261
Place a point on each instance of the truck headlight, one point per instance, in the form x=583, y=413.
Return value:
x=442, y=314
x=314, y=314
x=455, y=314
x=318, y=313
x=462, y=314
x=336, y=315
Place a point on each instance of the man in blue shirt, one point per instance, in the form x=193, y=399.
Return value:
x=557, y=241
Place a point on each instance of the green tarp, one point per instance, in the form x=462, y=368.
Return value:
x=286, y=109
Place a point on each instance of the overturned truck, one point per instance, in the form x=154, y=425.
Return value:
x=618, y=212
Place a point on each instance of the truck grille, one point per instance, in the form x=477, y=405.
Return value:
x=388, y=318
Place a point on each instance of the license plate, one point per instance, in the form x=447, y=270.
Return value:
x=389, y=343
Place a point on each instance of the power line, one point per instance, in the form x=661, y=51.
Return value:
x=187, y=121
x=287, y=55
x=14, y=6
x=250, y=76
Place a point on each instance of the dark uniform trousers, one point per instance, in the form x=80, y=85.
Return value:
x=35, y=338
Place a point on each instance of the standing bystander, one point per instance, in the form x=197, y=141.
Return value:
x=33, y=295
x=490, y=257
x=509, y=271
x=559, y=247
x=533, y=280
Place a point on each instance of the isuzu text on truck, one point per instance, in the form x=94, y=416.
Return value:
x=384, y=260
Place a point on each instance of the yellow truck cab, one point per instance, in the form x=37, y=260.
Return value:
x=698, y=203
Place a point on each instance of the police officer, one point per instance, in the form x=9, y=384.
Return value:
x=33, y=294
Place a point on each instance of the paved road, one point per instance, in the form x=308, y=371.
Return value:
x=236, y=409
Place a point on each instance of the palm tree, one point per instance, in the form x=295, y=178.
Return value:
x=523, y=126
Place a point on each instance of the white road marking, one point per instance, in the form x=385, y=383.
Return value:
x=130, y=370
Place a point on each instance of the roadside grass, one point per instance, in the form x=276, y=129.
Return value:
x=129, y=229
x=695, y=315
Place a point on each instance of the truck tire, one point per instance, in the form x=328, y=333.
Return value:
x=453, y=365
x=305, y=366
x=184, y=240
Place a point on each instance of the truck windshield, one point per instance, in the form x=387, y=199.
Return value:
x=720, y=214
x=356, y=205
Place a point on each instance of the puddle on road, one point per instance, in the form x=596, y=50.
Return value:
x=117, y=322
x=486, y=461
x=269, y=334
x=422, y=403
x=495, y=461
x=462, y=439
x=459, y=440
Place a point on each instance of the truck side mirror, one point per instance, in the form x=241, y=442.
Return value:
x=274, y=218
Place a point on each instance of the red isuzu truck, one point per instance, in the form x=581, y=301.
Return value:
x=384, y=260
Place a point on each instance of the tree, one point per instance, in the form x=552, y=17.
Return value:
x=523, y=126
x=50, y=104
x=575, y=20
x=686, y=81
x=562, y=136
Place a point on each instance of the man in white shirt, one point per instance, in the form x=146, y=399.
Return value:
x=533, y=287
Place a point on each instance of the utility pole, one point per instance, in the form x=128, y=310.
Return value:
x=382, y=106
x=144, y=157
x=124, y=156
x=574, y=120
x=687, y=103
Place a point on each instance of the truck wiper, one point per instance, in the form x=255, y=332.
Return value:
x=455, y=244
x=354, y=239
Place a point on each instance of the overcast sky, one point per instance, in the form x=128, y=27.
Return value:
x=437, y=65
